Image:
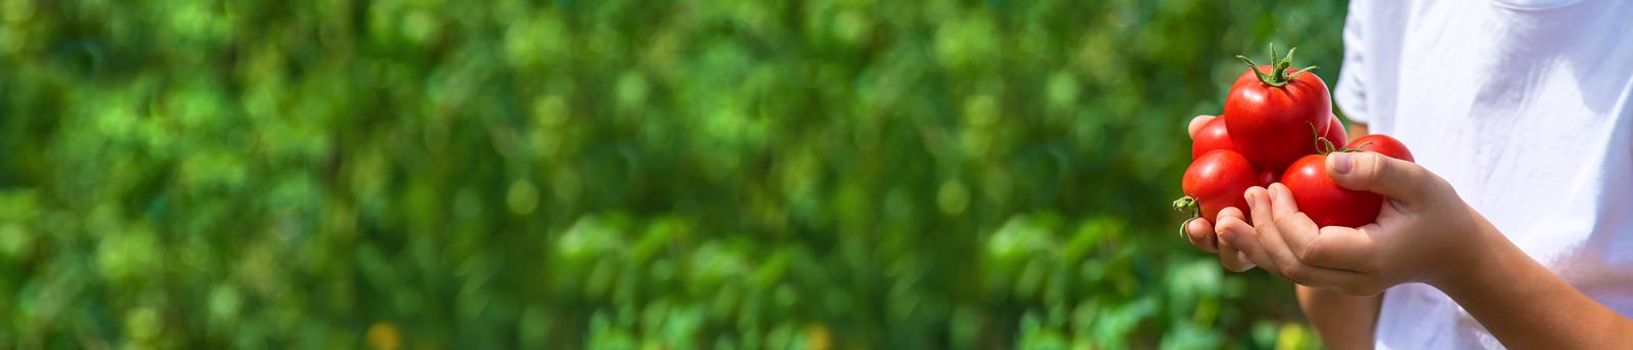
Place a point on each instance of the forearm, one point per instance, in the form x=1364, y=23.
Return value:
x=1527, y=306
x=1344, y=321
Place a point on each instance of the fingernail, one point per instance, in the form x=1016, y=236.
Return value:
x=1342, y=162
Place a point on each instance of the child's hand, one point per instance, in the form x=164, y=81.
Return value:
x=1232, y=256
x=1201, y=232
x=1424, y=232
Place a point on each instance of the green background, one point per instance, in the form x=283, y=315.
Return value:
x=623, y=174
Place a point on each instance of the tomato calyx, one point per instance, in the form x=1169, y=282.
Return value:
x=1187, y=203
x=1278, y=75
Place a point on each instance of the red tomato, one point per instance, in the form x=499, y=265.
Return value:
x=1268, y=177
x=1323, y=200
x=1336, y=133
x=1383, y=144
x=1211, y=137
x=1274, y=115
x=1216, y=181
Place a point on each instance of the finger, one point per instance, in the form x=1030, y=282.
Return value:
x=1200, y=232
x=1281, y=200
x=1241, y=237
x=1196, y=124
x=1314, y=276
x=1397, y=179
x=1260, y=214
x=1245, y=237
x=1264, y=223
x=1343, y=248
x=1238, y=234
x=1296, y=229
x=1231, y=257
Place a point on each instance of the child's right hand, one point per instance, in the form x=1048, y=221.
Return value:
x=1202, y=233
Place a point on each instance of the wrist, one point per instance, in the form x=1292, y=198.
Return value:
x=1485, y=260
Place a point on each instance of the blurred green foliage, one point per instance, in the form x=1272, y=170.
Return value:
x=622, y=174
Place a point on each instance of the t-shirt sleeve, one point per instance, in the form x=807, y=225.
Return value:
x=1350, y=94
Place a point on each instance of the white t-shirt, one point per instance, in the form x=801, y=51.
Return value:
x=1526, y=107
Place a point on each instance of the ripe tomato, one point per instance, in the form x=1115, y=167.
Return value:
x=1274, y=115
x=1324, y=201
x=1216, y=181
x=1336, y=133
x=1383, y=144
x=1268, y=177
x=1211, y=137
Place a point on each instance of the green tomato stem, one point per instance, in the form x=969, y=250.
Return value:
x=1278, y=76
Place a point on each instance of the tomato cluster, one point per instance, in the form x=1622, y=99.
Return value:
x=1278, y=126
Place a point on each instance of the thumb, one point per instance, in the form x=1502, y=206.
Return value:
x=1399, y=180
